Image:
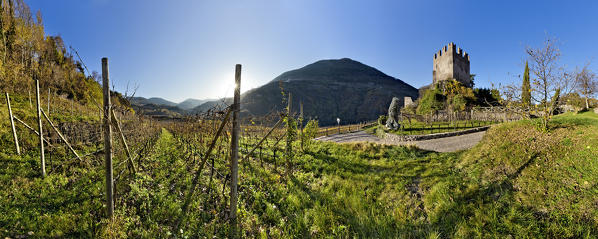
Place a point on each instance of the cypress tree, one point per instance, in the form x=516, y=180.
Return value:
x=526, y=94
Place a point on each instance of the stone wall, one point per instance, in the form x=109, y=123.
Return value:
x=403, y=138
x=479, y=114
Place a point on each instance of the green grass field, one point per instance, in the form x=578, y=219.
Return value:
x=517, y=183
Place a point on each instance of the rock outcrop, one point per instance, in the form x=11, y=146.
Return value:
x=392, y=122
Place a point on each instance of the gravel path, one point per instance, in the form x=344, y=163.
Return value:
x=448, y=144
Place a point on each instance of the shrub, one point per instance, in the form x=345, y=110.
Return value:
x=310, y=131
x=432, y=101
x=382, y=119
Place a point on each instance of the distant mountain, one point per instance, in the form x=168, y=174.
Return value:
x=153, y=101
x=156, y=107
x=343, y=88
x=191, y=103
x=162, y=111
x=214, y=104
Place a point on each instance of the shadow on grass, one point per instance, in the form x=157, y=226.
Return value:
x=493, y=210
x=371, y=227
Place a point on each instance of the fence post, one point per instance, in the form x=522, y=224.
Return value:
x=39, y=123
x=12, y=125
x=235, y=153
x=107, y=140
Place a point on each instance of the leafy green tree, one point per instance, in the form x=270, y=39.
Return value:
x=458, y=96
x=382, y=120
x=526, y=90
x=575, y=100
x=310, y=131
x=487, y=97
x=458, y=102
x=432, y=101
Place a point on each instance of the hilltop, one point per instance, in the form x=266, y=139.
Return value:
x=191, y=103
x=329, y=89
x=152, y=100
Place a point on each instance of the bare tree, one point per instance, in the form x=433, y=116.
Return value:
x=130, y=92
x=513, y=100
x=548, y=77
x=96, y=76
x=586, y=83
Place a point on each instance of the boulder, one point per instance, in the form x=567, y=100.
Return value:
x=392, y=122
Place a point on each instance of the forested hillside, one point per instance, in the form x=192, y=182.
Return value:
x=28, y=53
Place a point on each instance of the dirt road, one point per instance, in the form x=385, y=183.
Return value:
x=448, y=144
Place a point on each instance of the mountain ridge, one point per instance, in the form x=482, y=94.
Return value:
x=329, y=89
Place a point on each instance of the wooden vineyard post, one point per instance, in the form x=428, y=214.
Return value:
x=301, y=122
x=123, y=141
x=107, y=140
x=235, y=153
x=289, y=146
x=48, y=101
x=12, y=125
x=198, y=172
x=39, y=124
x=61, y=136
x=263, y=139
x=29, y=93
x=31, y=128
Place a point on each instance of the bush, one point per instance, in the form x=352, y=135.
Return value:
x=310, y=131
x=432, y=101
x=382, y=120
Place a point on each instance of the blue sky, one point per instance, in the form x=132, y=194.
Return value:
x=182, y=49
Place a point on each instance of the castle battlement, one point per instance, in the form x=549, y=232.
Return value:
x=452, y=48
x=451, y=62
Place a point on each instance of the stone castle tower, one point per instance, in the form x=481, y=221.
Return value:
x=452, y=62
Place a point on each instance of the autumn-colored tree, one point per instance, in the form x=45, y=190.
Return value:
x=458, y=96
x=27, y=53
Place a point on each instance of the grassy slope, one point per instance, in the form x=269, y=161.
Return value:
x=536, y=183
x=517, y=182
x=64, y=203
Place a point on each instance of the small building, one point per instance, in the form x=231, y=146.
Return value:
x=407, y=101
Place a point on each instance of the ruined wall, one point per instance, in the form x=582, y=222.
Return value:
x=451, y=62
